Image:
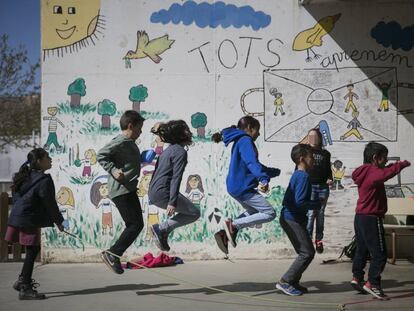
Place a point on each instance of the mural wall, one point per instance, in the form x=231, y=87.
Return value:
x=348, y=72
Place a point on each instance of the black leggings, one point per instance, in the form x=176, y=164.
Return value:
x=31, y=253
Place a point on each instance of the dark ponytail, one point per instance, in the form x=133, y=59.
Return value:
x=31, y=164
x=244, y=123
x=218, y=136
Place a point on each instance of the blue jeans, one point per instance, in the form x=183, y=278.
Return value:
x=258, y=211
x=318, y=216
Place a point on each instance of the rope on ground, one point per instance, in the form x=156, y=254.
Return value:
x=340, y=307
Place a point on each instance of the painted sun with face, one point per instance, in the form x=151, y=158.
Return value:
x=69, y=25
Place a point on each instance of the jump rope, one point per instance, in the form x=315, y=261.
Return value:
x=324, y=305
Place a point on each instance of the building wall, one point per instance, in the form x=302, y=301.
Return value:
x=211, y=65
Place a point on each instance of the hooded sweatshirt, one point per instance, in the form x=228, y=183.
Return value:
x=370, y=179
x=245, y=171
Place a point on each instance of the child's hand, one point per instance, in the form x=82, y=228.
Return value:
x=118, y=175
x=329, y=182
x=263, y=187
x=170, y=210
x=61, y=227
x=405, y=164
x=274, y=172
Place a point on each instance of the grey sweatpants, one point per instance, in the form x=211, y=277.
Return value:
x=186, y=213
x=302, y=243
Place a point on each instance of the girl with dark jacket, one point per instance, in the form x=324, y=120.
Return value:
x=34, y=207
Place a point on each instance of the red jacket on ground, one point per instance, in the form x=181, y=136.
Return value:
x=370, y=180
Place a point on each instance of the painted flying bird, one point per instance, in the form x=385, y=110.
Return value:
x=307, y=39
x=149, y=48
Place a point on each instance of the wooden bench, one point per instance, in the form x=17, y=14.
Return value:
x=395, y=222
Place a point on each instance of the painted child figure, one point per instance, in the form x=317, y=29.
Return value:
x=88, y=161
x=369, y=216
x=194, y=189
x=150, y=211
x=66, y=202
x=245, y=178
x=100, y=198
x=293, y=219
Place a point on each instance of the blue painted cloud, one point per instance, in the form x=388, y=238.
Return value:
x=212, y=15
x=393, y=35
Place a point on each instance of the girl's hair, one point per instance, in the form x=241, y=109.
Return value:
x=200, y=183
x=244, y=123
x=174, y=132
x=319, y=135
x=23, y=174
x=93, y=155
x=95, y=194
x=372, y=149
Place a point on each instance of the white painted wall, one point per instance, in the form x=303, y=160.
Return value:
x=182, y=84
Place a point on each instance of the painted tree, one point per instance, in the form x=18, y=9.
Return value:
x=199, y=122
x=76, y=90
x=106, y=109
x=137, y=94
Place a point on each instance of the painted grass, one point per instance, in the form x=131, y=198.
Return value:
x=83, y=109
x=92, y=127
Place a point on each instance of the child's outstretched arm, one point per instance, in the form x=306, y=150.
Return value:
x=388, y=172
x=271, y=171
x=249, y=156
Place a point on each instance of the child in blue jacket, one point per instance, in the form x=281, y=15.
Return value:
x=245, y=177
x=293, y=219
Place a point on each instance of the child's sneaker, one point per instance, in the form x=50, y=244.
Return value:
x=358, y=285
x=231, y=232
x=301, y=288
x=222, y=241
x=375, y=291
x=112, y=262
x=28, y=292
x=319, y=246
x=288, y=289
x=160, y=238
x=18, y=284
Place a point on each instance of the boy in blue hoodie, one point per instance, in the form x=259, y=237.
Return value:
x=293, y=219
x=246, y=176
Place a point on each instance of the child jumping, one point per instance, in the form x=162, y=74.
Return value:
x=165, y=183
x=121, y=159
x=369, y=214
x=320, y=177
x=245, y=177
x=293, y=219
x=34, y=207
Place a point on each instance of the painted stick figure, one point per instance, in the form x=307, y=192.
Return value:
x=52, y=127
x=278, y=102
x=350, y=95
x=353, y=124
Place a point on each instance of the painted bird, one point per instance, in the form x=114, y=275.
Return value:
x=307, y=39
x=149, y=48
